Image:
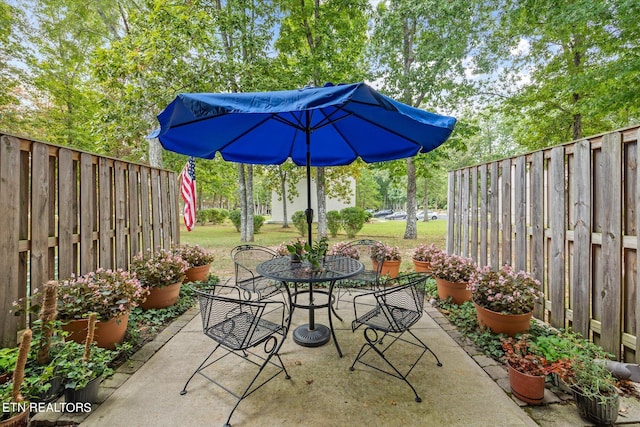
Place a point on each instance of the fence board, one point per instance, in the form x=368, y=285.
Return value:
x=145, y=208
x=66, y=208
x=484, y=216
x=104, y=212
x=164, y=214
x=156, y=215
x=464, y=208
x=506, y=212
x=120, y=202
x=39, y=215
x=494, y=244
x=636, y=297
x=473, y=208
x=612, y=245
x=134, y=209
x=557, y=224
x=537, y=223
x=9, y=224
x=520, y=195
x=581, y=283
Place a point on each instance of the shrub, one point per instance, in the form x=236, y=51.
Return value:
x=353, y=220
x=299, y=220
x=219, y=215
x=235, y=217
x=333, y=222
x=203, y=216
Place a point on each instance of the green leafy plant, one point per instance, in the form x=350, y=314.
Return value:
x=382, y=251
x=109, y=293
x=426, y=253
x=504, y=291
x=8, y=357
x=159, y=268
x=195, y=255
x=334, y=222
x=236, y=219
x=299, y=220
x=353, y=220
x=452, y=268
x=315, y=254
x=291, y=247
x=258, y=222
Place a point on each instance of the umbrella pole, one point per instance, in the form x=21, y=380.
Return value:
x=309, y=211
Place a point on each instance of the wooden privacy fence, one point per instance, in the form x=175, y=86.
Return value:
x=569, y=215
x=65, y=212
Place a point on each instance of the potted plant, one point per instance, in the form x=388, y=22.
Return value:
x=423, y=255
x=161, y=272
x=504, y=300
x=10, y=393
x=452, y=274
x=8, y=357
x=111, y=294
x=528, y=368
x=294, y=248
x=199, y=260
x=344, y=249
x=315, y=254
x=82, y=367
x=389, y=256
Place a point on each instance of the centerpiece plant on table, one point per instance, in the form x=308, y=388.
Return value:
x=423, y=256
x=389, y=256
x=295, y=249
x=111, y=294
x=199, y=260
x=504, y=299
x=452, y=274
x=162, y=273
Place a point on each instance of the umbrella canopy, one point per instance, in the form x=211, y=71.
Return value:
x=328, y=126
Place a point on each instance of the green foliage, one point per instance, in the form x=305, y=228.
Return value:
x=334, y=222
x=8, y=357
x=215, y=216
x=299, y=220
x=353, y=219
x=236, y=219
x=75, y=371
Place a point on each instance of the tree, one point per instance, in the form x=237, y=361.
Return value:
x=322, y=41
x=283, y=179
x=568, y=69
x=420, y=48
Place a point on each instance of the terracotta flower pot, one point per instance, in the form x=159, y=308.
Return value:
x=19, y=420
x=389, y=268
x=456, y=290
x=107, y=334
x=528, y=388
x=501, y=323
x=422, y=266
x=198, y=274
x=162, y=297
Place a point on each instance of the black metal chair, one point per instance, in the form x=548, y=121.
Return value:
x=369, y=278
x=240, y=327
x=391, y=311
x=245, y=259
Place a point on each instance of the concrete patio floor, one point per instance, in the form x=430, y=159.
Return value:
x=465, y=391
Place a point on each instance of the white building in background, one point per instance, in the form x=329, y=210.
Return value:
x=300, y=202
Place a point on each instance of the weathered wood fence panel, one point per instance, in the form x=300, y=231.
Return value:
x=569, y=215
x=67, y=212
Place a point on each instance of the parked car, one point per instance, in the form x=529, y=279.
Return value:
x=430, y=215
x=382, y=213
x=397, y=215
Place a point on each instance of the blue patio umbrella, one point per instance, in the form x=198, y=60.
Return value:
x=327, y=126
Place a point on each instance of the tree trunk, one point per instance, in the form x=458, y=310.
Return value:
x=425, y=201
x=283, y=192
x=322, y=203
x=411, y=231
x=249, y=203
x=155, y=153
x=243, y=202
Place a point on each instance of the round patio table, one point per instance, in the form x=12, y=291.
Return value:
x=334, y=268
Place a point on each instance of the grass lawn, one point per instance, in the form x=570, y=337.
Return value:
x=220, y=239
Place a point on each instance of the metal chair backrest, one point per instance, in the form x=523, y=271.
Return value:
x=246, y=258
x=402, y=304
x=361, y=250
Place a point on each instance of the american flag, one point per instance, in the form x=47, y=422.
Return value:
x=188, y=190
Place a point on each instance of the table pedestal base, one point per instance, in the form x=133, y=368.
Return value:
x=303, y=336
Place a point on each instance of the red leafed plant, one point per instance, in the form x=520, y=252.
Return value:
x=522, y=356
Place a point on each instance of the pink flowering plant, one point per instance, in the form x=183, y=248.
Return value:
x=109, y=293
x=344, y=249
x=452, y=268
x=160, y=268
x=426, y=253
x=195, y=255
x=292, y=246
x=385, y=252
x=505, y=291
